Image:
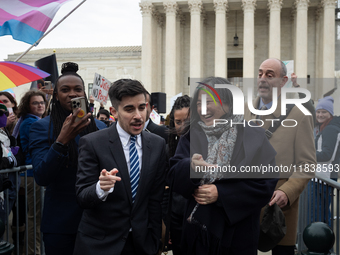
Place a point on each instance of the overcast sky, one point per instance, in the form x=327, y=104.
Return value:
x=96, y=23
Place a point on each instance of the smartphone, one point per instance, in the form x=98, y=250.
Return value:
x=79, y=102
x=48, y=85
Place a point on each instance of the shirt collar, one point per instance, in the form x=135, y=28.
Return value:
x=269, y=105
x=125, y=136
x=146, y=124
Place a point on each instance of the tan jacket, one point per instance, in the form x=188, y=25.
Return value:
x=296, y=150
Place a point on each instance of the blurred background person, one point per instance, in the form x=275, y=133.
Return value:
x=91, y=105
x=12, y=108
x=178, y=116
x=104, y=116
x=32, y=108
x=327, y=131
x=11, y=157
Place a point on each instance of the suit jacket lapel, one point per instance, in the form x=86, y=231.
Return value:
x=119, y=157
x=151, y=126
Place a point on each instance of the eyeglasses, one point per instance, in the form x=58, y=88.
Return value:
x=3, y=112
x=37, y=103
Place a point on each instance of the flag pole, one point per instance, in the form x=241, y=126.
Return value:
x=37, y=42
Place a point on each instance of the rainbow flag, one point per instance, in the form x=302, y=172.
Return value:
x=27, y=20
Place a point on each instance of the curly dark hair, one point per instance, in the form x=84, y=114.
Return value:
x=24, y=106
x=12, y=99
x=180, y=103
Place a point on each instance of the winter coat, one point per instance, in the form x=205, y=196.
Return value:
x=327, y=148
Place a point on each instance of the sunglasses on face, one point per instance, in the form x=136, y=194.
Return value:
x=3, y=112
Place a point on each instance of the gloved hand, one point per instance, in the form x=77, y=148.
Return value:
x=15, y=150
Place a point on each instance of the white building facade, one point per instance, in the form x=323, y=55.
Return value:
x=195, y=39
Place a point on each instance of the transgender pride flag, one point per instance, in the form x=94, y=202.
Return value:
x=27, y=20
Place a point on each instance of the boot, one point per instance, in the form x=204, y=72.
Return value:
x=21, y=241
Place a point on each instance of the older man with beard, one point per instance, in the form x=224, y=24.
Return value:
x=294, y=146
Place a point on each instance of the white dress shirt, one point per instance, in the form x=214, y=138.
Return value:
x=125, y=140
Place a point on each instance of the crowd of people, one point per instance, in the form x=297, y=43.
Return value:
x=115, y=182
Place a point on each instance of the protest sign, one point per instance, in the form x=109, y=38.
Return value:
x=100, y=88
x=155, y=117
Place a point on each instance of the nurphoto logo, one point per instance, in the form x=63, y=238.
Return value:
x=238, y=103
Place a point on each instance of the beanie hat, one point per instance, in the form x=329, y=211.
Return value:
x=3, y=106
x=326, y=103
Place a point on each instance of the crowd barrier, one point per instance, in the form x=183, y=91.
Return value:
x=327, y=190
x=13, y=232
x=320, y=202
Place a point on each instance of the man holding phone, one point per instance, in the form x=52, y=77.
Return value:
x=122, y=208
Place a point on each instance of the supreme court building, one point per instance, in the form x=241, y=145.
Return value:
x=200, y=38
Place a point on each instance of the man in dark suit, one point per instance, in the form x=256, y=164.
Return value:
x=151, y=127
x=122, y=208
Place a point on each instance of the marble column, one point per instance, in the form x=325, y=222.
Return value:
x=147, y=9
x=328, y=39
x=179, y=52
x=248, y=7
x=293, y=27
x=274, y=7
x=170, y=8
x=301, y=41
x=221, y=7
x=318, y=52
x=195, y=7
x=158, y=56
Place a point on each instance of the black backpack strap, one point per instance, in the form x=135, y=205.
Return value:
x=269, y=132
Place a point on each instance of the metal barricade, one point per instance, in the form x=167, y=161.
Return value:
x=12, y=210
x=320, y=202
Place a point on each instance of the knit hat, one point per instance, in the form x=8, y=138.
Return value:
x=3, y=106
x=326, y=103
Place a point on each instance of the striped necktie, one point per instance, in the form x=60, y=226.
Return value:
x=134, y=167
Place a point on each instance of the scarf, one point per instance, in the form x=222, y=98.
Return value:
x=221, y=143
x=20, y=120
x=323, y=125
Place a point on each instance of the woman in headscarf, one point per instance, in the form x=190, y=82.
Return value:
x=223, y=209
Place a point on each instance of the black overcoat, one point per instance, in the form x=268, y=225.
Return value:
x=231, y=224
